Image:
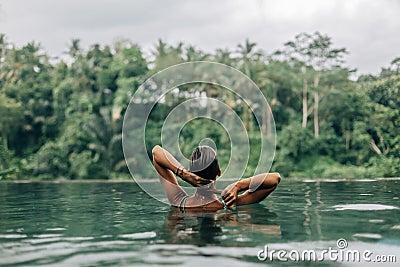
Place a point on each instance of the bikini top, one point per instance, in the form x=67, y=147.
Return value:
x=183, y=201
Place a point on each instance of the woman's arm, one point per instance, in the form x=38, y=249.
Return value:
x=166, y=165
x=165, y=160
x=264, y=184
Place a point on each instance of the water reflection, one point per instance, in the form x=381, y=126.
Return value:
x=228, y=227
x=46, y=223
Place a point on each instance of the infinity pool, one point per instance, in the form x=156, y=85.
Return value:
x=116, y=224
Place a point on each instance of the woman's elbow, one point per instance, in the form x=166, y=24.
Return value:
x=155, y=152
x=276, y=178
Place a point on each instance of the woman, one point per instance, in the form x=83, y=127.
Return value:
x=202, y=174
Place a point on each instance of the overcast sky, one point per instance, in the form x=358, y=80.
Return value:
x=369, y=29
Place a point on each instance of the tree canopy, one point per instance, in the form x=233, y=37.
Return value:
x=63, y=118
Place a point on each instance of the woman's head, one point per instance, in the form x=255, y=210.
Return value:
x=204, y=163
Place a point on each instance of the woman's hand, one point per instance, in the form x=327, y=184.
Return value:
x=193, y=179
x=230, y=195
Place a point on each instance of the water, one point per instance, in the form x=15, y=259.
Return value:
x=111, y=223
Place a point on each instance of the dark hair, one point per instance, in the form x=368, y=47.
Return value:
x=204, y=162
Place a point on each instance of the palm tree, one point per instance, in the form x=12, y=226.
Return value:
x=192, y=54
x=75, y=48
x=395, y=65
x=3, y=45
x=105, y=139
x=251, y=63
x=247, y=56
x=166, y=55
x=224, y=56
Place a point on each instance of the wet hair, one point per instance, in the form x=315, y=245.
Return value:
x=204, y=162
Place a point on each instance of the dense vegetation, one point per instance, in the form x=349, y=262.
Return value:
x=62, y=118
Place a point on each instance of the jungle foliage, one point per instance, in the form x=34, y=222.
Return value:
x=62, y=118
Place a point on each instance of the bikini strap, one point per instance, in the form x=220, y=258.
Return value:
x=182, y=203
x=223, y=202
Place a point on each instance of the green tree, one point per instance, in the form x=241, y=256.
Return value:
x=315, y=51
x=10, y=119
x=166, y=55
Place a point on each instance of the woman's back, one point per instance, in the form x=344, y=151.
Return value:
x=204, y=161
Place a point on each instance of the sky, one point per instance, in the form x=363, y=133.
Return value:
x=368, y=29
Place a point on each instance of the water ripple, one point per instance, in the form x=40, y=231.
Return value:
x=364, y=207
x=144, y=235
